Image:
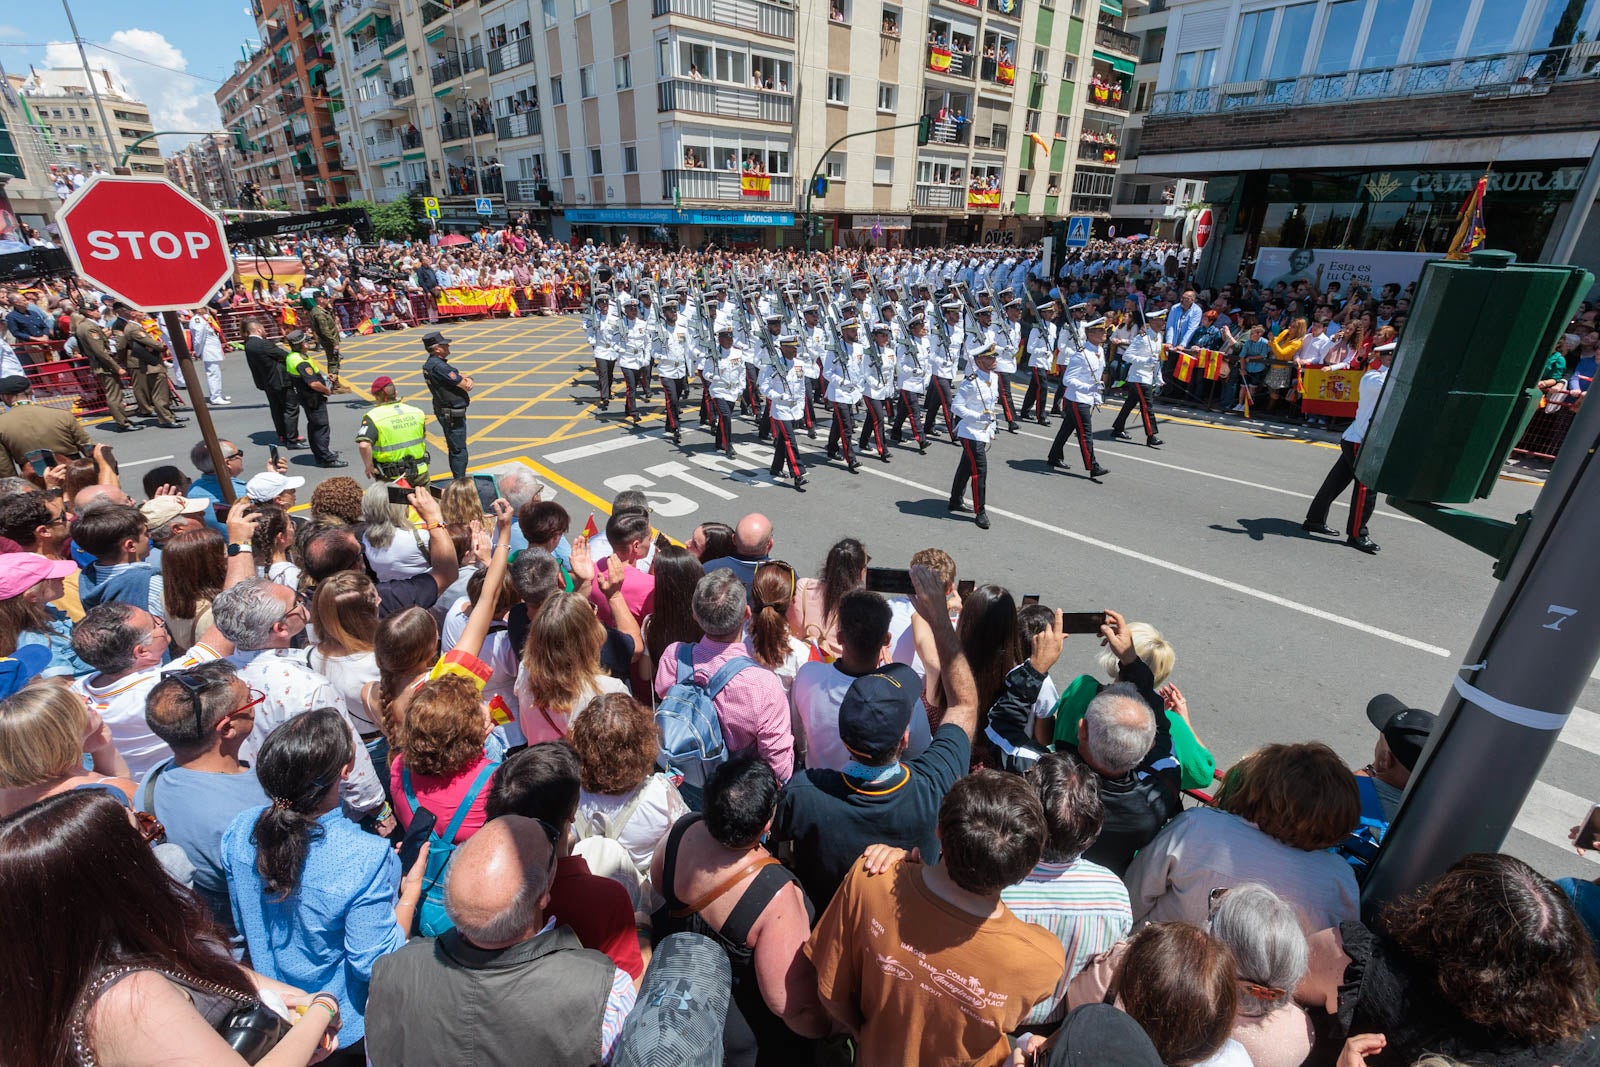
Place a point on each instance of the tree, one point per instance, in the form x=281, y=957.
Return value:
x=276, y=205
x=394, y=221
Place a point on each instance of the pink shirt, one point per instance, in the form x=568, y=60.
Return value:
x=638, y=589
x=442, y=795
x=753, y=708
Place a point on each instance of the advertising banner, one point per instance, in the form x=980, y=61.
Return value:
x=1321, y=266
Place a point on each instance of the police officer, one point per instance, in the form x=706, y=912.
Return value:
x=325, y=325
x=393, y=437
x=145, y=358
x=313, y=389
x=977, y=402
x=449, y=388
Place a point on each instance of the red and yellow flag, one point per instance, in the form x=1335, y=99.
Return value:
x=589, y=528
x=755, y=185
x=938, y=58
x=1472, y=232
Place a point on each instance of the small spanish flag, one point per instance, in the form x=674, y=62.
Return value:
x=589, y=528
x=1185, y=368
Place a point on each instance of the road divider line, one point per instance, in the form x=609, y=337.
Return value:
x=567, y=455
x=1582, y=730
x=1188, y=572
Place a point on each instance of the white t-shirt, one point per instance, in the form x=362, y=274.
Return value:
x=799, y=654
x=1231, y=1054
x=404, y=557
x=659, y=807
x=349, y=675
x=819, y=689
x=121, y=705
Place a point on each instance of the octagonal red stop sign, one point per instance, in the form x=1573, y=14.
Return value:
x=146, y=241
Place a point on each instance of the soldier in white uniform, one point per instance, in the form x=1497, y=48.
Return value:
x=597, y=327
x=1143, y=358
x=977, y=402
x=1362, y=501
x=783, y=384
x=674, y=353
x=878, y=390
x=725, y=379
x=1008, y=342
x=632, y=341
x=1082, y=371
x=1069, y=338
x=949, y=345
x=914, y=366
x=1041, y=361
x=846, y=374
x=813, y=347
x=764, y=350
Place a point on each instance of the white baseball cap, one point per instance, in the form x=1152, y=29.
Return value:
x=269, y=485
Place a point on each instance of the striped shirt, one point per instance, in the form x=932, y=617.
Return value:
x=1084, y=905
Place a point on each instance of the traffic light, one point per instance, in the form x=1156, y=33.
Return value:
x=924, y=129
x=819, y=186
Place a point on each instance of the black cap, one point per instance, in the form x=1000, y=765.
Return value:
x=1099, y=1035
x=12, y=384
x=434, y=337
x=877, y=709
x=295, y=337
x=1405, y=729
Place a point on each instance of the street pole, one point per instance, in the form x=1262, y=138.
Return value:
x=94, y=88
x=1578, y=214
x=197, y=396
x=1524, y=671
x=811, y=182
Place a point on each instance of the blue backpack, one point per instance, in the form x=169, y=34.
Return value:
x=691, y=733
x=431, y=917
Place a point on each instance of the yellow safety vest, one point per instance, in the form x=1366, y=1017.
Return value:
x=401, y=431
x=292, y=364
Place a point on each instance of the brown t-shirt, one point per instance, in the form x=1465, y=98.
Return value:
x=931, y=984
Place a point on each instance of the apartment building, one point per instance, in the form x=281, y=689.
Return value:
x=702, y=120
x=1352, y=130
x=64, y=112
x=203, y=169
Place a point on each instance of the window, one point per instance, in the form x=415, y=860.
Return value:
x=1250, y=58
x=580, y=7
x=1030, y=122
x=1077, y=9
x=882, y=170
x=566, y=164
x=1041, y=60
x=775, y=73
x=886, y=98
x=1063, y=123
x=1194, y=69
x=586, y=81
x=1560, y=22
x=550, y=18
x=838, y=89
x=834, y=167
x=558, y=95
x=1069, y=67
x=623, y=72
x=839, y=11
x=891, y=20
x=729, y=66
x=1022, y=182
x=1339, y=36
x=664, y=59
x=1294, y=40
x=1496, y=28
x=630, y=159
x=1385, y=32
x=596, y=163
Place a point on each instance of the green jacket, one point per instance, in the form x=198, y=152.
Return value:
x=1196, y=763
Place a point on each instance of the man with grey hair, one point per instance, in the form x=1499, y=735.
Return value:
x=534, y=993
x=752, y=707
x=262, y=618
x=1140, y=794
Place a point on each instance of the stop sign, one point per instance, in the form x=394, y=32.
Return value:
x=145, y=241
x=1202, y=228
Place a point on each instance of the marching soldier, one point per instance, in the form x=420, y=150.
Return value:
x=313, y=388
x=1008, y=340
x=1041, y=360
x=1070, y=337
x=325, y=325
x=674, y=353
x=96, y=346
x=813, y=347
x=783, y=384
x=1362, y=501
x=947, y=349
x=764, y=349
x=146, y=360
x=878, y=388
x=597, y=329
x=631, y=342
x=725, y=381
x=1143, y=357
x=449, y=388
x=846, y=376
x=393, y=437
x=977, y=402
x=913, y=367
x=1082, y=378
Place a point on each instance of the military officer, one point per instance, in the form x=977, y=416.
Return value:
x=783, y=384
x=673, y=356
x=145, y=358
x=725, y=382
x=914, y=360
x=846, y=377
x=96, y=346
x=1143, y=358
x=325, y=325
x=1041, y=358
x=1083, y=370
x=977, y=402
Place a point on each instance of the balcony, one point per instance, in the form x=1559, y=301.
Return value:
x=944, y=197
x=998, y=72
x=995, y=140
x=306, y=168
x=1116, y=40
x=949, y=132
x=432, y=12
x=510, y=56
x=453, y=66
x=403, y=88
x=951, y=63
x=341, y=119
x=410, y=139
x=708, y=98
x=350, y=12
x=526, y=191
x=728, y=186
x=1491, y=77
x=1091, y=151
x=527, y=124
x=1108, y=95
x=374, y=105
x=455, y=129
x=366, y=54
x=420, y=189
x=381, y=148
x=772, y=20
x=1009, y=8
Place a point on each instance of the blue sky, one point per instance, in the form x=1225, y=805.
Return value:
x=173, y=53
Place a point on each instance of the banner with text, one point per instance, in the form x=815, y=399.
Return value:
x=1322, y=266
x=1330, y=392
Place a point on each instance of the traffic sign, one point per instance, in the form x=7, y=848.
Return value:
x=1078, y=230
x=1202, y=228
x=485, y=206
x=145, y=241
x=430, y=206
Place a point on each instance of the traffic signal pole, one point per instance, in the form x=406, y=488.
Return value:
x=1522, y=674
x=811, y=183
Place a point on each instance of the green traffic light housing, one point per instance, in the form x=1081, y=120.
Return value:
x=924, y=130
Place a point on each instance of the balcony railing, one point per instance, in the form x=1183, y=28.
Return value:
x=403, y=88
x=327, y=129
x=456, y=128
x=341, y=119
x=366, y=54
x=420, y=188
x=708, y=98
x=727, y=185
x=509, y=56
x=526, y=191
x=432, y=12
x=949, y=131
x=527, y=124
x=382, y=148
x=374, y=105
x=410, y=139
x=996, y=139
x=950, y=62
x=773, y=20
x=305, y=167
x=1506, y=74
x=949, y=197
x=453, y=66
x=351, y=11
x=1116, y=40
x=1096, y=152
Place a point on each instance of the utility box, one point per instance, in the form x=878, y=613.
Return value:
x=1463, y=384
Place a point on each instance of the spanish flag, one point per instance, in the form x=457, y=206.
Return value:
x=1185, y=368
x=289, y=318
x=1472, y=233
x=755, y=185
x=938, y=58
x=589, y=528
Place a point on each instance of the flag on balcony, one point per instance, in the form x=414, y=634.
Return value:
x=1471, y=233
x=1043, y=155
x=755, y=185
x=1006, y=73
x=938, y=58
x=980, y=198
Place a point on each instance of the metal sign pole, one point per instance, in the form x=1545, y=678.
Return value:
x=179, y=339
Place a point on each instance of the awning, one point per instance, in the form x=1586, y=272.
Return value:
x=1118, y=64
x=1111, y=7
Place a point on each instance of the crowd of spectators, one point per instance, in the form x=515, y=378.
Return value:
x=420, y=784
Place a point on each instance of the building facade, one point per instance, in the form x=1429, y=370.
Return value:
x=683, y=121
x=203, y=168
x=1359, y=126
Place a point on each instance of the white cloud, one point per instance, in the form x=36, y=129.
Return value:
x=176, y=102
x=10, y=33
